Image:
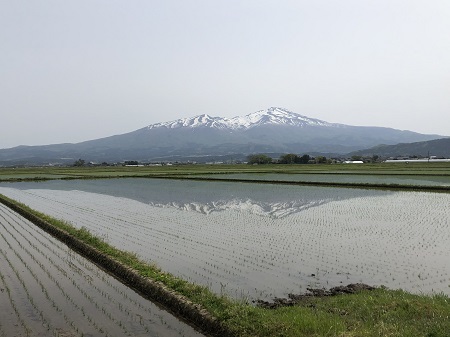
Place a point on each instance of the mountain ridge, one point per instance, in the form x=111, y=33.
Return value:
x=272, y=116
x=275, y=130
x=436, y=147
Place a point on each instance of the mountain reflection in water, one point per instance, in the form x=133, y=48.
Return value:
x=275, y=209
x=206, y=197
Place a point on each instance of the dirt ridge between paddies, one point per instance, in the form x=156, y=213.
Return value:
x=154, y=290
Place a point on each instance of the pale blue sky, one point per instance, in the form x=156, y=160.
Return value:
x=79, y=70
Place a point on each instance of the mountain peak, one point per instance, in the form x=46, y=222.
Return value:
x=279, y=116
x=271, y=116
x=204, y=120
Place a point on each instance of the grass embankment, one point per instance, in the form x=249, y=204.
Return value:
x=380, y=312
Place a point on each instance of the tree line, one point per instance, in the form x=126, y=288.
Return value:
x=289, y=158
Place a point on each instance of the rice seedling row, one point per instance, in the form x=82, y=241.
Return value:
x=49, y=290
x=398, y=239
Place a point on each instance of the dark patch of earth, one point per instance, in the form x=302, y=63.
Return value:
x=294, y=299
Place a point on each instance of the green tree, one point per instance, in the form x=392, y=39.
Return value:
x=259, y=159
x=131, y=162
x=321, y=160
x=79, y=162
x=289, y=158
x=304, y=159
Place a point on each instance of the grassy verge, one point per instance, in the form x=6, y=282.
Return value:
x=380, y=312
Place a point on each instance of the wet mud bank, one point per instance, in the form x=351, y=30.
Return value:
x=155, y=291
x=294, y=299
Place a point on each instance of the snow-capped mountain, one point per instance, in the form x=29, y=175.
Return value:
x=276, y=116
x=193, y=122
x=271, y=116
x=199, y=138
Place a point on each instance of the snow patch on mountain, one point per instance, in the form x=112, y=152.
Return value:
x=192, y=122
x=271, y=116
x=276, y=116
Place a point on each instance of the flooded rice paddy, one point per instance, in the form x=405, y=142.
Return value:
x=416, y=180
x=260, y=241
x=48, y=290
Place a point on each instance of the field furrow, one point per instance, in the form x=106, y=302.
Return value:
x=49, y=290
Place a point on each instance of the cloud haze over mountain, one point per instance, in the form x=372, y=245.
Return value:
x=78, y=70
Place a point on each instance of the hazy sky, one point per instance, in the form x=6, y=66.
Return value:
x=74, y=70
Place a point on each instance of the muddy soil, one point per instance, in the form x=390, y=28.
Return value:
x=294, y=299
